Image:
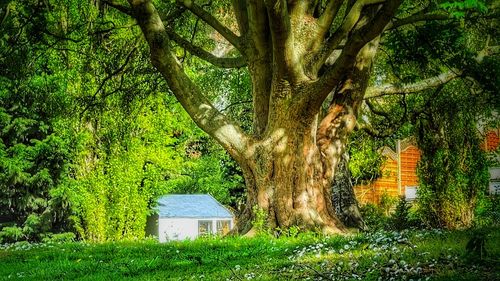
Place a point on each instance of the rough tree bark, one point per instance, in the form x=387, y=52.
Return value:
x=344, y=199
x=296, y=61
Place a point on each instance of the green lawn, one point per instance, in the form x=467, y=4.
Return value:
x=428, y=255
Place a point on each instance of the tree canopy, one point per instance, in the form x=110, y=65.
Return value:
x=98, y=97
x=300, y=56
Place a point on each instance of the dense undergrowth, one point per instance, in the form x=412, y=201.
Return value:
x=380, y=255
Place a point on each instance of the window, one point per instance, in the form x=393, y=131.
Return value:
x=223, y=226
x=204, y=228
x=411, y=193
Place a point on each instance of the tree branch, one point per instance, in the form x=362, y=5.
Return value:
x=438, y=16
x=298, y=8
x=4, y=6
x=117, y=71
x=114, y=73
x=173, y=15
x=119, y=7
x=241, y=12
x=376, y=110
x=360, y=37
x=393, y=89
x=205, y=55
x=372, y=132
x=349, y=22
x=235, y=104
x=286, y=61
x=203, y=113
x=213, y=22
x=260, y=63
x=418, y=17
x=329, y=14
x=487, y=51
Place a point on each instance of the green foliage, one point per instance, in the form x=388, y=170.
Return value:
x=365, y=162
x=400, y=216
x=445, y=121
x=122, y=168
x=487, y=211
x=458, y=9
x=374, y=217
x=209, y=170
x=65, y=237
x=33, y=154
x=11, y=234
x=453, y=168
x=404, y=216
x=259, y=221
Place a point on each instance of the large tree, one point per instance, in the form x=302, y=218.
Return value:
x=302, y=56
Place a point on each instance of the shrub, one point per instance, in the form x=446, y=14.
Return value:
x=387, y=203
x=292, y=231
x=374, y=216
x=11, y=234
x=399, y=218
x=259, y=222
x=59, y=237
x=487, y=212
x=405, y=216
x=453, y=168
x=385, y=217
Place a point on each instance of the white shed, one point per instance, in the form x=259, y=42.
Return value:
x=188, y=216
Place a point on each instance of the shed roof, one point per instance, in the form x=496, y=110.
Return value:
x=191, y=206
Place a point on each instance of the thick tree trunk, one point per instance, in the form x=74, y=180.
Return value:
x=286, y=176
x=344, y=199
x=290, y=172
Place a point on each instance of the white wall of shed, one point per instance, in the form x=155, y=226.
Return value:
x=184, y=228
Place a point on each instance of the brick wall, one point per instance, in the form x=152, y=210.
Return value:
x=491, y=140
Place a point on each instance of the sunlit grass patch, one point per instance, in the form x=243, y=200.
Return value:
x=407, y=255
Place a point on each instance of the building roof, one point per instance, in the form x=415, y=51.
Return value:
x=191, y=206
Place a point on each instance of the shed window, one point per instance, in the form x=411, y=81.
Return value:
x=223, y=226
x=204, y=227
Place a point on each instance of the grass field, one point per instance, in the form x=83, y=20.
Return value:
x=407, y=255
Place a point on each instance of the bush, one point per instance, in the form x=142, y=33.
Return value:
x=384, y=217
x=11, y=234
x=453, y=170
x=259, y=222
x=487, y=211
x=374, y=217
x=59, y=237
x=405, y=216
x=387, y=203
x=399, y=218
